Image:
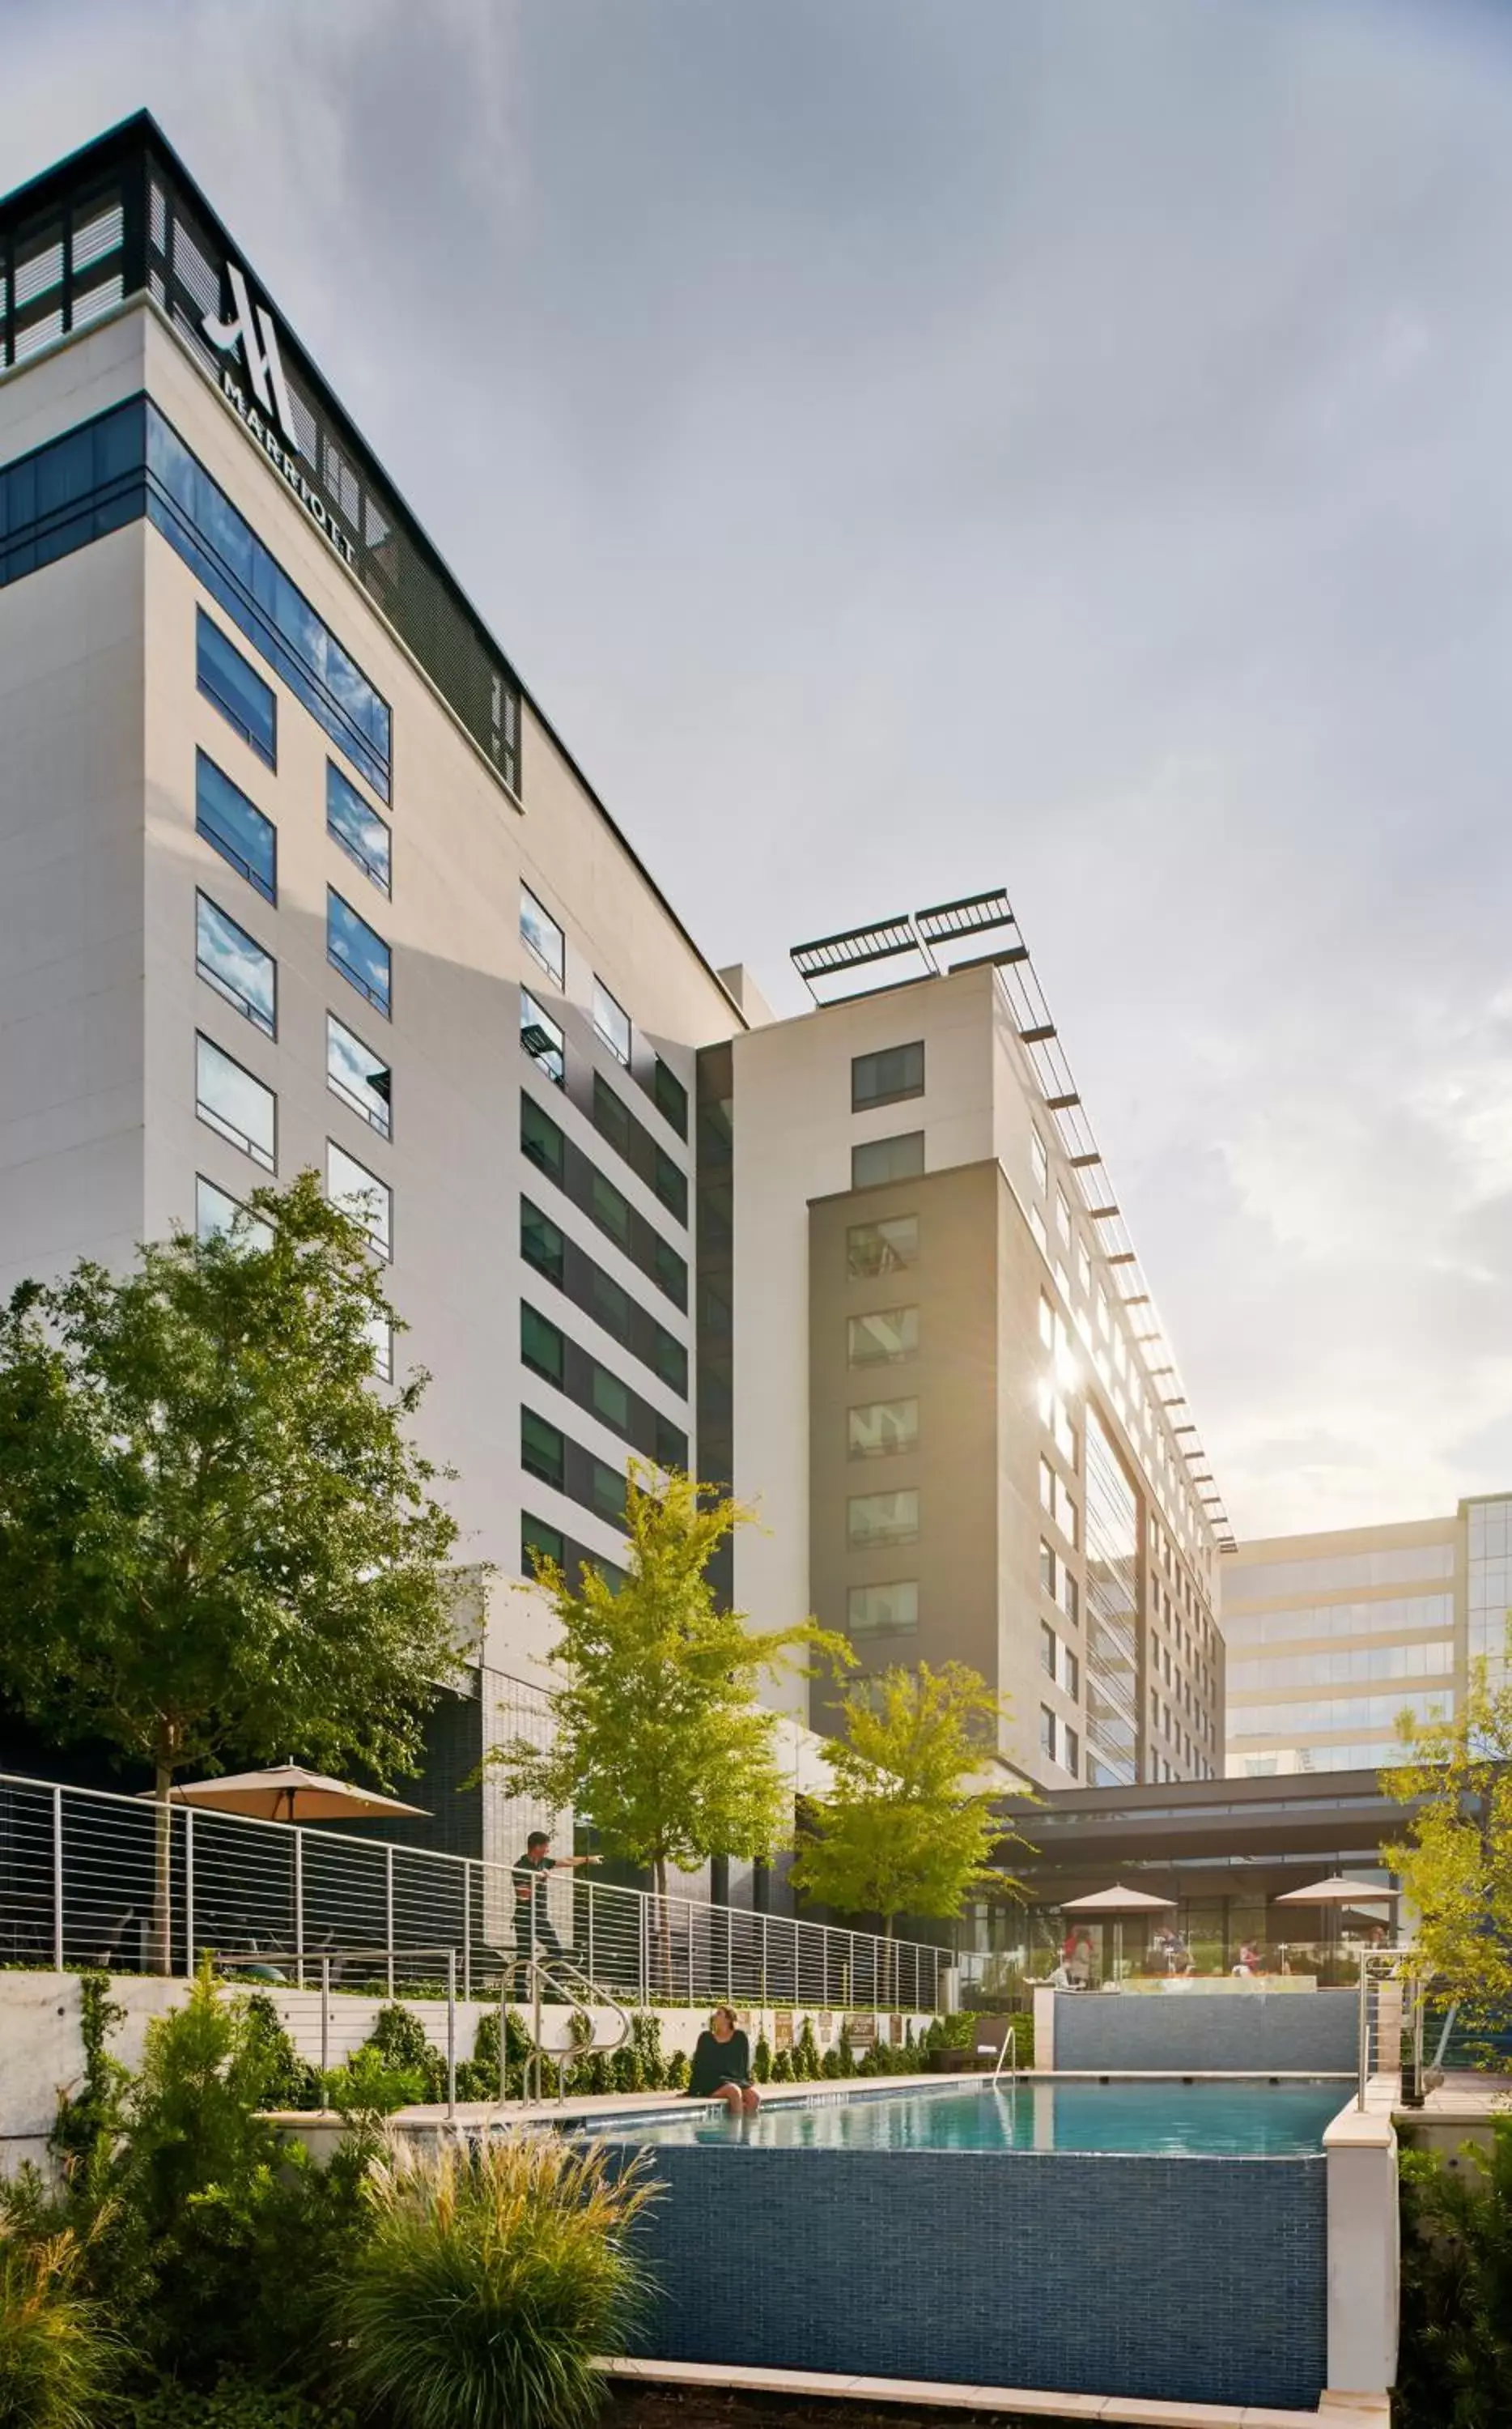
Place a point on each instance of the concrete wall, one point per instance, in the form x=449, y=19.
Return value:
x=1199, y=2278
x=1208, y=2035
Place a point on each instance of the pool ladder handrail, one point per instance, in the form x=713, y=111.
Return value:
x=564, y=1974
x=1010, y=2051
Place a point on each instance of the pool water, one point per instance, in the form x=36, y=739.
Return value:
x=1170, y=2120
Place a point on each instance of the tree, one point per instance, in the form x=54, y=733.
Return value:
x=1455, y=1864
x=658, y=1739
x=906, y=1829
x=216, y=1539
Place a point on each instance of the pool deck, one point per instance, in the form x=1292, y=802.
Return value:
x=1018, y=2403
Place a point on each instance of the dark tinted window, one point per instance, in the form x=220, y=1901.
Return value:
x=235, y=827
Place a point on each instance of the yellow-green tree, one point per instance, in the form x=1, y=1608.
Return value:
x=658, y=1740
x=1455, y=1861
x=911, y=1820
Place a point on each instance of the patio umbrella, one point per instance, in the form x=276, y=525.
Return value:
x=288, y=1793
x=1116, y=1903
x=1336, y=1891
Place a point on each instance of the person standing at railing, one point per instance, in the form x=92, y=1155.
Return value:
x=536, y=1934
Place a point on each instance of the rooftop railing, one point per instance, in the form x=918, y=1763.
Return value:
x=91, y=1878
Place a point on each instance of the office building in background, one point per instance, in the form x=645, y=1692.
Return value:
x=1332, y=1636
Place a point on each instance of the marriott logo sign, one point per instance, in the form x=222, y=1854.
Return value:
x=269, y=411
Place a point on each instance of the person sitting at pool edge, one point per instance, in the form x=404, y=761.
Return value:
x=721, y=2065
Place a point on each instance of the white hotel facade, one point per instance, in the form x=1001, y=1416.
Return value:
x=294, y=873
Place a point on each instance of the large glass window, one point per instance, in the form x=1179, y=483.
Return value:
x=888, y=1159
x=216, y=1211
x=356, y=826
x=876, y=1520
x=73, y=490
x=542, y=1039
x=236, y=965
x=249, y=584
x=235, y=1104
x=887, y=1333
x=542, y=1450
x=1113, y=1611
x=883, y=1611
x=238, y=692
x=547, y=1250
x=670, y=1096
x=360, y=1194
x=235, y=827
x=879, y=1428
x=611, y=1022
x=630, y=1138
x=358, y=1076
x=1039, y=1162
x=1048, y=1645
x=1335, y=1572
x=358, y=952
x=542, y=934
x=887, y=1247
x=542, y=1345
x=542, y=1243
x=548, y=1351
x=886, y=1078
x=543, y=1141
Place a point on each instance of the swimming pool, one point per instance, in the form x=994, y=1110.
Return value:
x=1168, y=2119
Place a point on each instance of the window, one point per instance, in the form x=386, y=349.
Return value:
x=1072, y=1743
x=542, y=1243
x=360, y=831
x=545, y=1144
x=541, y=1140
x=542, y=1039
x=358, y=1076
x=630, y=1138
x=875, y=1248
x=236, y=965
x=882, y=1428
x=545, y=939
x=1070, y=1596
x=890, y=1332
x=883, y=1611
x=1042, y=1237
x=542, y=1450
x=235, y=1104
x=380, y=1332
x=1102, y=1312
x=1046, y=1322
x=1065, y=1433
x=235, y=827
x=1062, y=1224
x=888, y=1159
x=876, y=1520
x=1048, y=1487
x=1039, y=1162
x=888, y=1077
x=360, y=1194
x=610, y=1022
x=216, y=1211
x=671, y=1096
x=238, y=690
x=537, y=1543
x=358, y=952
x=1047, y=1566
x=1070, y=1671
x=542, y=1346
x=1048, y=1649
x=1047, y=1731
x=250, y=587
x=1083, y=1268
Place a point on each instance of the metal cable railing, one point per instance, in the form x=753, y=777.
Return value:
x=88, y=1878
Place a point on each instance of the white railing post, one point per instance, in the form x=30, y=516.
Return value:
x=467, y=1927
x=299, y=1907
x=325, y=2015
x=766, y=1919
x=58, y=1880
x=644, y=1953
x=450, y=2033
x=189, y=1889
x=592, y=1887
x=388, y=1914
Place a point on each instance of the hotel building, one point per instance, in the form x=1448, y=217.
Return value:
x=1331, y=1637
x=295, y=872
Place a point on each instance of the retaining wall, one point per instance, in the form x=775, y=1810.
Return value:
x=1198, y=2034
x=1195, y=2278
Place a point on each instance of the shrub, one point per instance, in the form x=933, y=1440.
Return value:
x=478, y=2077
x=645, y=2040
x=57, y=2356
x=1455, y=2362
x=288, y=2080
x=761, y=2065
x=806, y=2053
x=489, y=2281
x=678, y=2069
x=783, y=2067
x=233, y=2404
x=400, y=2040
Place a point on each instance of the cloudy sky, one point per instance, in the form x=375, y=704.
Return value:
x=916, y=445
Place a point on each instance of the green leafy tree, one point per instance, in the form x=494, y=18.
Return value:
x=1456, y=1861
x=659, y=1740
x=908, y=1826
x=217, y=1540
